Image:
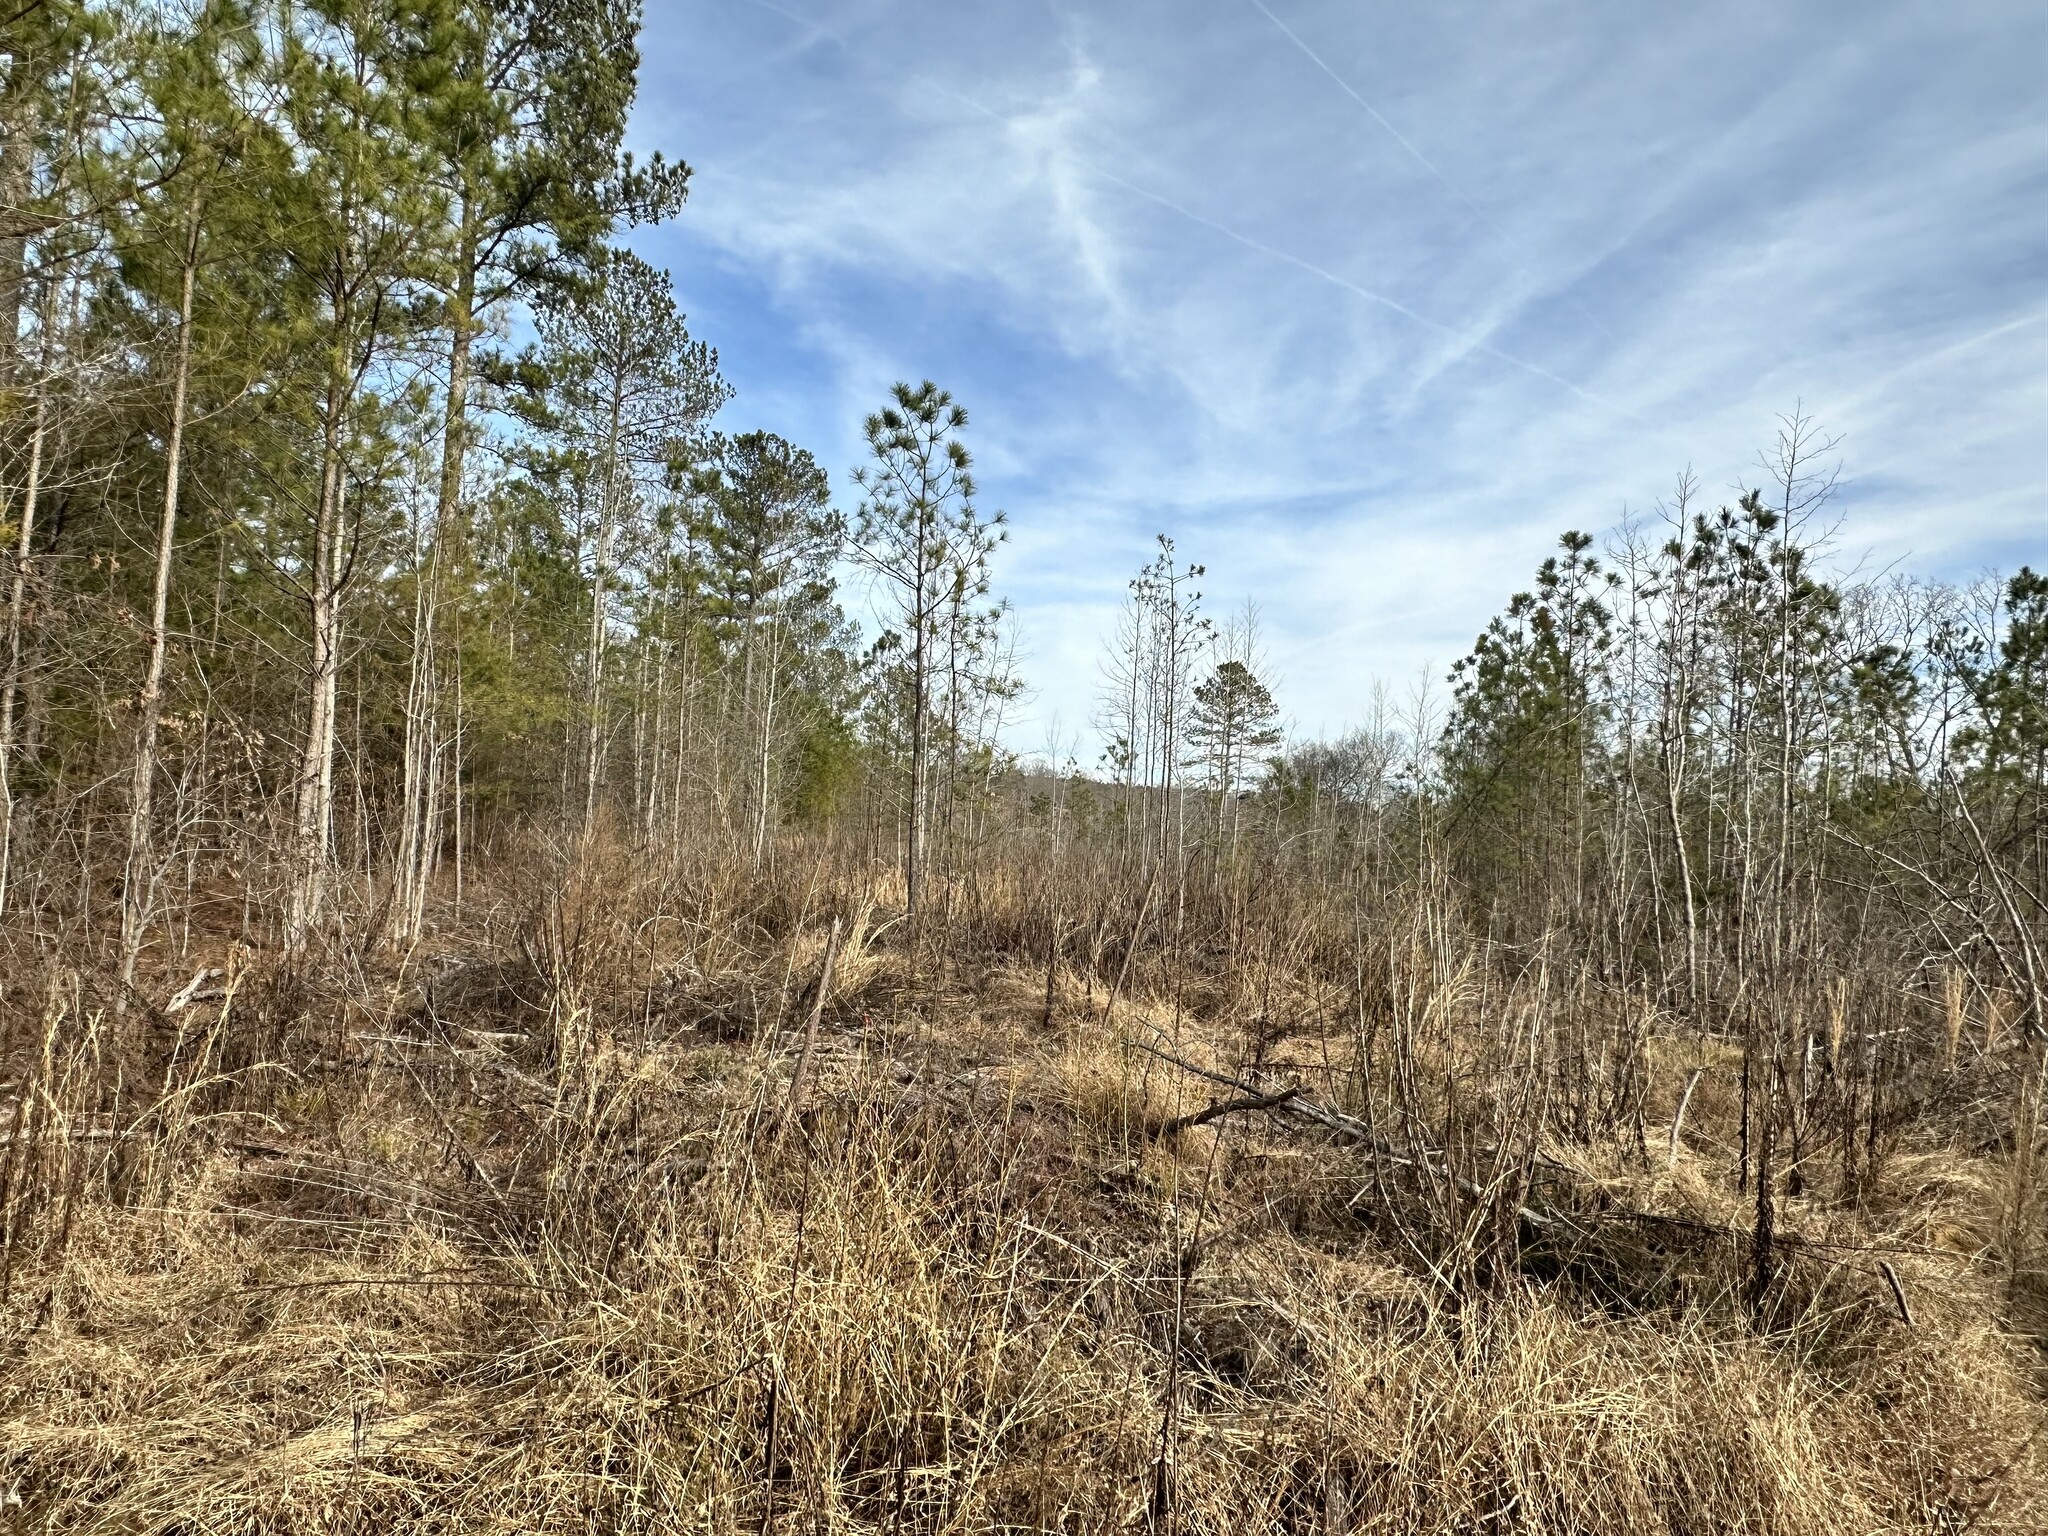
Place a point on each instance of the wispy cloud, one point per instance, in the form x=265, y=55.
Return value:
x=1366, y=305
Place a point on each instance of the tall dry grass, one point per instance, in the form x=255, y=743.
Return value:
x=532, y=1230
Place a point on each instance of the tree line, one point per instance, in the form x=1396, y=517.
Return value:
x=1704, y=774
x=366, y=498
x=369, y=506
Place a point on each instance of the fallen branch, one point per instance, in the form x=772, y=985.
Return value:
x=1189, y=1066
x=1181, y=1123
x=1349, y=1130
x=196, y=990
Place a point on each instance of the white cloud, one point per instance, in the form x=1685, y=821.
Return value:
x=1368, y=363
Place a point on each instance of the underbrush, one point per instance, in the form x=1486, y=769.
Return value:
x=619, y=1214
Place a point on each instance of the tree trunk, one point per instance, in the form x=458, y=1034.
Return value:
x=913, y=852
x=445, y=546
x=313, y=800
x=14, y=188
x=593, y=735
x=762, y=757
x=138, y=884
x=420, y=782
x=17, y=604
x=448, y=525
x=600, y=577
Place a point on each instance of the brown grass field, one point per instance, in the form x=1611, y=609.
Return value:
x=597, y=1213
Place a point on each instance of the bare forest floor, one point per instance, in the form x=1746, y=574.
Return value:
x=592, y=1214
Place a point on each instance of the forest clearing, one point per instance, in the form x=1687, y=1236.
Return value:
x=539, y=992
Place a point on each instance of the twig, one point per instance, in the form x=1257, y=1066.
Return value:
x=461, y=1279
x=1189, y=1066
x=709, y=1387
x=1891, y=1278
x=100, y=1133
x=1052, y=960
x=794, y=1103
x=1678, y=1120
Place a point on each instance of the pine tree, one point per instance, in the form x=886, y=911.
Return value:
x=1232, y=720
x=916, y=531
x=770, y=538
x=1529, y=699
x=628, y=396
x=181, y=245
x=367, y=243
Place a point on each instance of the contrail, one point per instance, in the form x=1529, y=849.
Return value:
x=802, y=21
x=1276, y=254
x=1373, y=112
x=1878, y=387
x=816, y=28
x=1414, y=154
x=1249, y=242
x=1957, y=348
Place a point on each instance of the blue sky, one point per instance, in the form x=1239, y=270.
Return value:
x=1365, y=303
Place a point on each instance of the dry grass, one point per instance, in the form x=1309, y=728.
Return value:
x=548, y=1243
